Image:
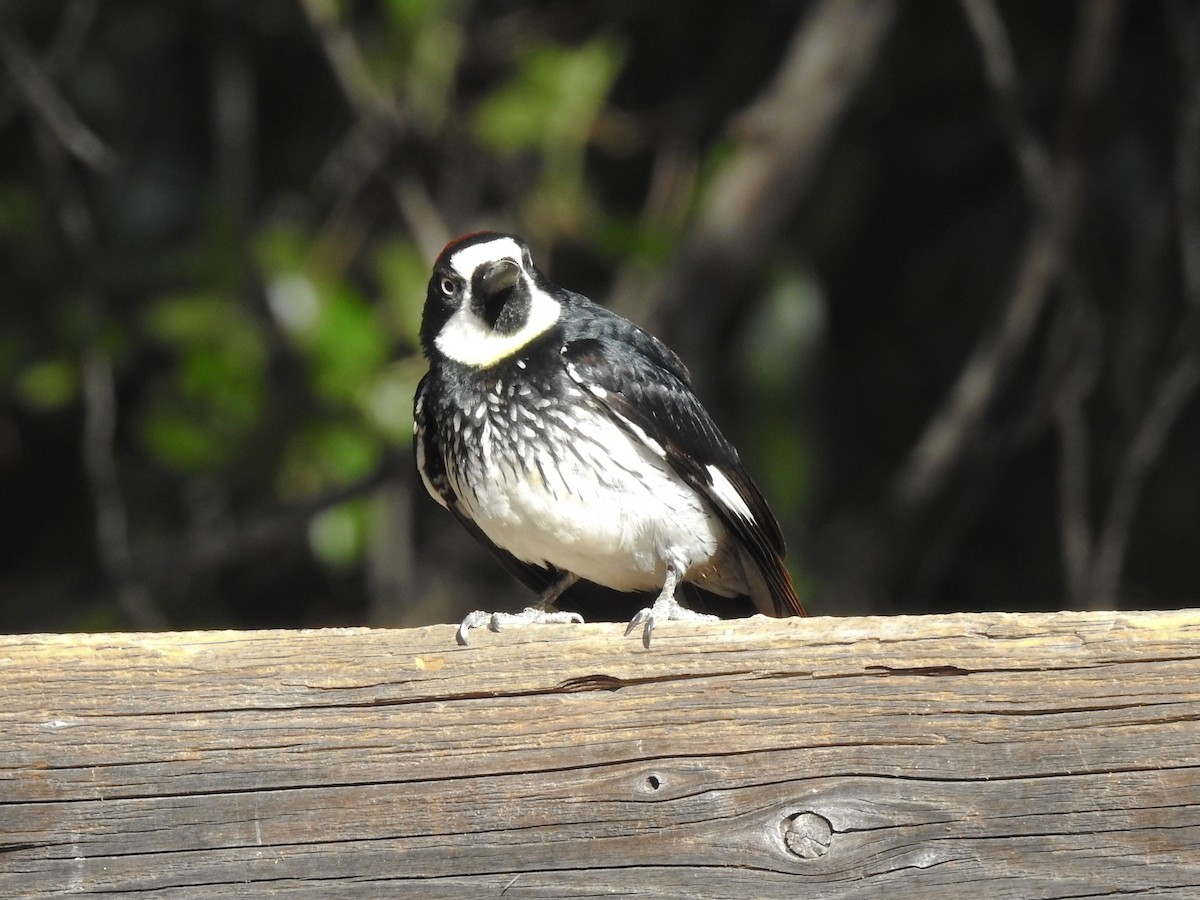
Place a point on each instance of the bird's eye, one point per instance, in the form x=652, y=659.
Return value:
x=447, y=286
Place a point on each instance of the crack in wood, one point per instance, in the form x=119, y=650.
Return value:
x=603, y=682
x=926, y=671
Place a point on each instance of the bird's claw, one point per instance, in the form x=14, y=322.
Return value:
x=497, y=621
x=665, y=609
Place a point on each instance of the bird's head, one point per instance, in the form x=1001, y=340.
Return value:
x=485, y=301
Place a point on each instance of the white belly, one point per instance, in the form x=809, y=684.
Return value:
x=608, y=510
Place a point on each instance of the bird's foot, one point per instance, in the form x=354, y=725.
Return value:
x=665, y=609
x=495, y=621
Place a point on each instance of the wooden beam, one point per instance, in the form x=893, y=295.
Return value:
x=946, y=756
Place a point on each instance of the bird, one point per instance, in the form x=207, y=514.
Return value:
x=569, y=441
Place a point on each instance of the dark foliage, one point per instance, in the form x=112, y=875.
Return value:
x=935, y=267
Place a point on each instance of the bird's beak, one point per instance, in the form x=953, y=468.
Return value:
x=495, y=287
x=500, y=276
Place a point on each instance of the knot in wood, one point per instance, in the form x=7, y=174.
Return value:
x=807, y=834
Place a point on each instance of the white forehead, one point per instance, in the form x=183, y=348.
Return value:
x=465, y=261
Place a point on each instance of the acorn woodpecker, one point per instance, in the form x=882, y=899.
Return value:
x=569, y=441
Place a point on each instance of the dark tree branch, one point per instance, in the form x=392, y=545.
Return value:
x=48, y=105
x=99, y=457
x=1104, y=578
x=381, y=123
x=945, y=440
x=1174, y=391
x=1054, y=191
x=1186, y=24
x=262, y=533
x=952, y=438
x=1076, y=334
x=97, y=448
x=1000, y=67
x=784, y=133
x=348, y=64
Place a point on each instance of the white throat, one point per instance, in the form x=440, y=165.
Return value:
x=468, y=339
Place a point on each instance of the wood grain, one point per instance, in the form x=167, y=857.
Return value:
x=1001, y=755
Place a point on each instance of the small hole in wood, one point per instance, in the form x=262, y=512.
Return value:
x=653, y=782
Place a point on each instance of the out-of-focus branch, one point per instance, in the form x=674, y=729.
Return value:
x=347, y=62
x=262, y=533
x=421, y=215
x=1179, y=386
x=1093, y=572
x=786, y=130
x=64, y=48
x=784, y=133
x=44, y=101
x=1074, y=442
x=59, y=131
x=1068, y=370
x=111, y=524
x=76, y=22
x=1186, y=26
x=381, y=123
x=1171, y=398
x=946, y=437
x=1000, y=66
x=235, y=120
x=99, y=399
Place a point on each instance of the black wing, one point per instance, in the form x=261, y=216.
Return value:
x=655, y=404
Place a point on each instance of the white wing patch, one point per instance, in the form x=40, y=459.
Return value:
x=640, y=433
x=725, y=492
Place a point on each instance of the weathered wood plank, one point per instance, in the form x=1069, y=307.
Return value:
x=1014, y=755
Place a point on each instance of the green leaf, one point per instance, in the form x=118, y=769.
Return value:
x=403, y=274
x=48, y=385
x=196, y=413
x=627, y=240
x=348, y=344
x=222, y=356
x=346, y=451
x=182, y=442
x=186, y=318
x=328, y=453
x=550, y=107
x=387, y=399
x=553, y=99
x=411, y=14
x=423, y=49
x=338, y=536
x=282, y=248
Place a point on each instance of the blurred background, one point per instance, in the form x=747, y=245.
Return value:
x=935, y=267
